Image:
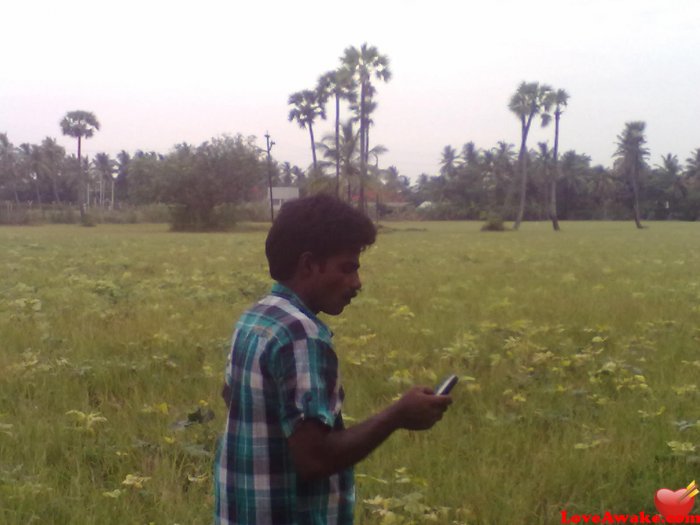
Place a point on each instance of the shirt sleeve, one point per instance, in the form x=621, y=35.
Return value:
x=306, y=376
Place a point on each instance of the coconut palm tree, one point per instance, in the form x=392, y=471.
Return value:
x=347, y=151
x=448, y=162
x=631, y=159
x=364, y=64
x=542, y=168
x=306, y=108
x=503, y=156
x=340, y=85
x=80, y=124
x=103, y=164
x=470, y=154
x=667, y=186
x=559, y=99
x=122, y=182
x=530, y=99
x=691, y=180
x=29, y=167
x=692, y=169
x=51, y=158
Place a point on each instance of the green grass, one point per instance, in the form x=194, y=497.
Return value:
x=579, y=353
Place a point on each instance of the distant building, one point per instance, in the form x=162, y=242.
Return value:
x=280, y=195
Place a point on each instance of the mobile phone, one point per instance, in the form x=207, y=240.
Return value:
x=446, y=386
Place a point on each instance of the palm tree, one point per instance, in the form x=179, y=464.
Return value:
x=693, y=164
x=631, y=159
x=692, y=169
x=340, y=84
x=365, y=63
x=602, y=185
x=503, y=156
x=448, y=162
x=691, y=180
x=543, y=167
x=307, y=107
x=579, y=182
x=122, y=182
x=79, y=124
x=668, y=185
x=560, y=99
x=103, y=164
x=347, y=151
x=29, y=167
x=470, y=154
x=395, y=183
x=529, y=100
x=51, y=157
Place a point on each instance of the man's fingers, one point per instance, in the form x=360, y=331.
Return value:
x=443, y=401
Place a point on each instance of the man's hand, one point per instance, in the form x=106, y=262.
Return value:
x=420, y=408
x=318, y=451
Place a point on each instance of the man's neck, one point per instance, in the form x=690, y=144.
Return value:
x=302, y=292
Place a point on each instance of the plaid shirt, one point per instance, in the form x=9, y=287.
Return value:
x=282, y=369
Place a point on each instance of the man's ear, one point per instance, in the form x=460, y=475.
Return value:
x=306, y=264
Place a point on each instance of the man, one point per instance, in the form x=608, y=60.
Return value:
x=285, y=457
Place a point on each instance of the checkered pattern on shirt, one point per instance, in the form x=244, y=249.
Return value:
x=282, y=369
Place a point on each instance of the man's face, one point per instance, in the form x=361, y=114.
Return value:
x=337, y=281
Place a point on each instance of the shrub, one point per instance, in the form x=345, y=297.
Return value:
x=494, y=223
x=88, y=220
x=184, y=218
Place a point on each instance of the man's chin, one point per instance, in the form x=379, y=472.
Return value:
x=335, y=310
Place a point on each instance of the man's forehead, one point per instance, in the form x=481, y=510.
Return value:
x=347, y=256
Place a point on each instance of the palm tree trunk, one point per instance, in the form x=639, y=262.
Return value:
x=635, y=190
x=367, y=143
x=556, y=174
x=313, y=146
x=337, y=144
x=81, y=183
x=363, y=157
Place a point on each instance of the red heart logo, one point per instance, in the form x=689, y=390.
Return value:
x=670, y=503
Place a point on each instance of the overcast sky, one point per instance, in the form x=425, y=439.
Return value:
x=157, y=73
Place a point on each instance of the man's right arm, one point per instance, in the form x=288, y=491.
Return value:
x=318, y=451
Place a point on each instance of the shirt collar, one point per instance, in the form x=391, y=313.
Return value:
x=281, y=290
x=285, y=292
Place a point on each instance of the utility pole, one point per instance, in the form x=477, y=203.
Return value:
x=269, y=172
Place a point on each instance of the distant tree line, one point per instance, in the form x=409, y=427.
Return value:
x=201, y=184
x=533, y=183
x=475, y=183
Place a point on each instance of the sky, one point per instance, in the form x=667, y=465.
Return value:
x=158, y=73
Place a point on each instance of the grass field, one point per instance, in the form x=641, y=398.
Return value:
x=579, y=354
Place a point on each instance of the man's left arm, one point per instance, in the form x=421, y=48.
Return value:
x=319, y=451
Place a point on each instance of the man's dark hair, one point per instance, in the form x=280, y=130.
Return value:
x=322, y=225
